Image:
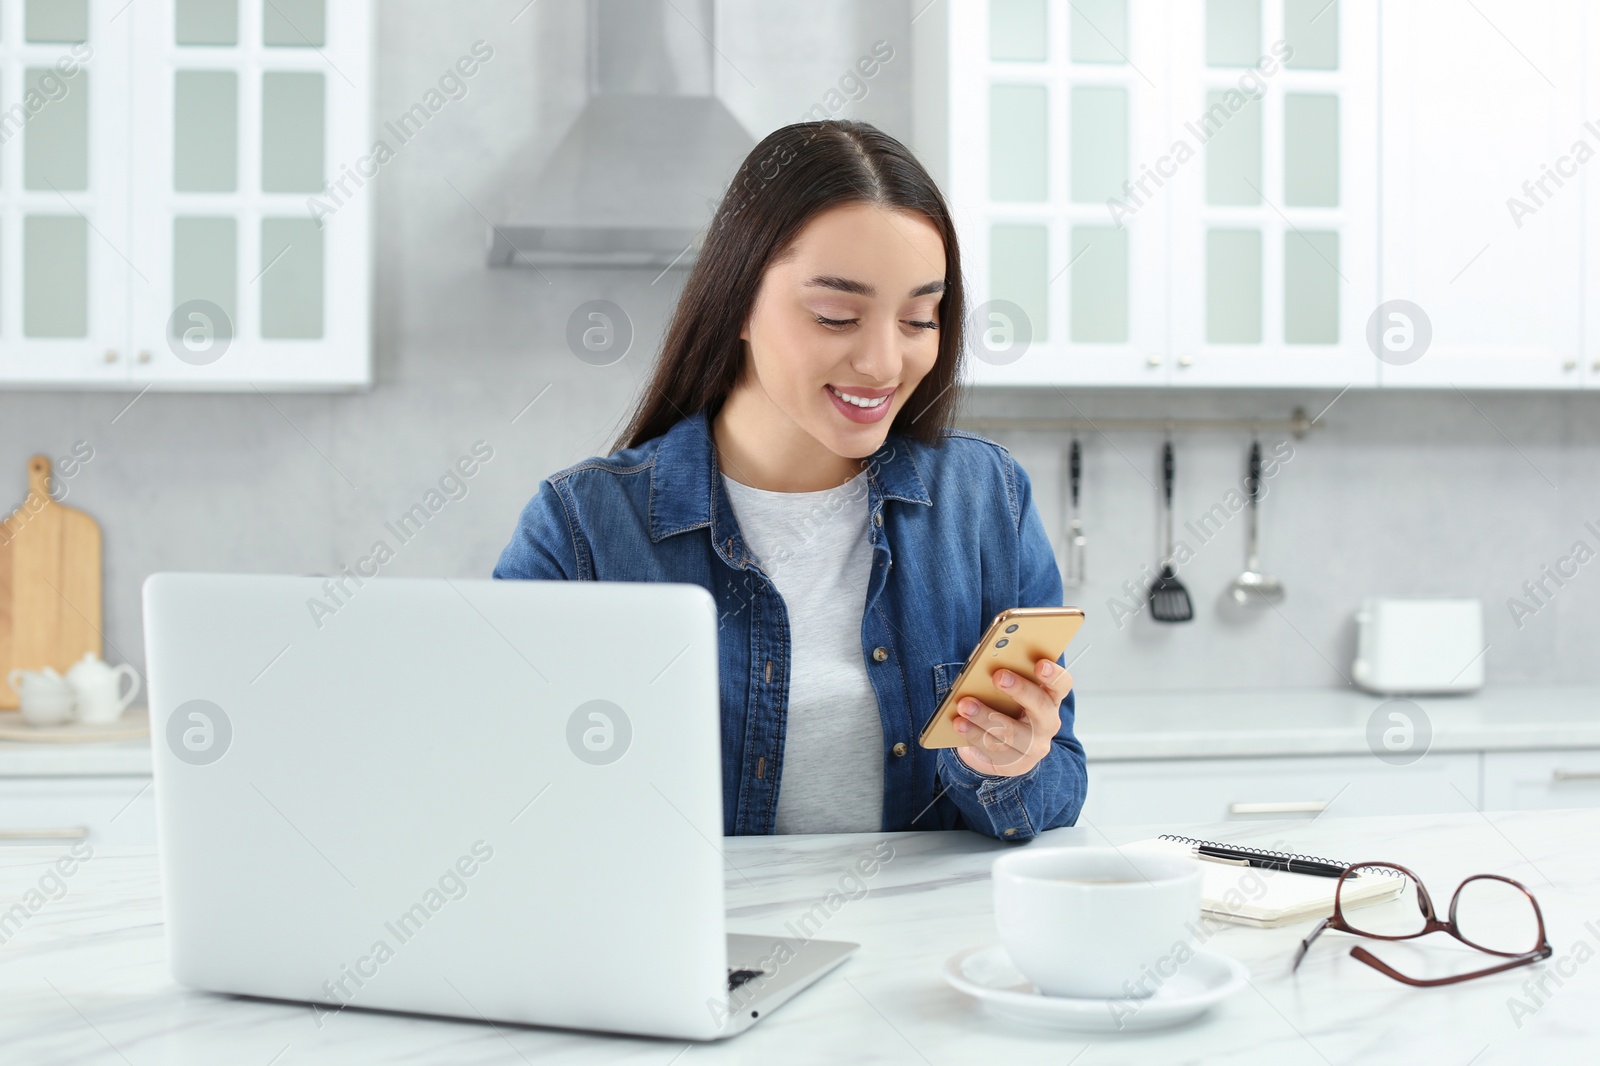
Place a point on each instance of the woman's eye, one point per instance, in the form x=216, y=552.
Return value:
x=838, y=323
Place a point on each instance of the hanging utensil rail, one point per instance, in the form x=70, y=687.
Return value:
x=1298, y=423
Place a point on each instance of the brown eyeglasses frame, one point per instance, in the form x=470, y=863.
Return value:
x=1430, y=924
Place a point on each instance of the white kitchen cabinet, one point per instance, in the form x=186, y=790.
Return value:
x=1482, y=106
x=1157, y=791
x=1050, y=112
x=63, y=193
x=1171, y=194
x=240, y=126
x=1529, y=780
x=108, y=810
x=1273, y=250
x=1431, y=151
x=189, y=211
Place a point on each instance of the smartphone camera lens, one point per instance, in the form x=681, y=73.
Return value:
x=1012, y=628
x=1002, y=642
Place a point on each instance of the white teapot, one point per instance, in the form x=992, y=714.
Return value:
x=98, y=688
x=46, y=698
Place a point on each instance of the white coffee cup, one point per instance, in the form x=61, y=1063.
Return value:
x=44, y=697
x=1096, y=922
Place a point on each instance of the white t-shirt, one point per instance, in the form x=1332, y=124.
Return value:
x=814, y=546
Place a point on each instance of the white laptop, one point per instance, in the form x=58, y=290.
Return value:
x=495, y=800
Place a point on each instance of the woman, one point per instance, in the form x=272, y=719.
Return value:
x=792, y=454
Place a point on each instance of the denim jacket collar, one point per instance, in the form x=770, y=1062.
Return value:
x=686, y=475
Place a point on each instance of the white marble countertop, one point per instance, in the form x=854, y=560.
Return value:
x=1145, y=725
x=1170, y=725
x=84, y=980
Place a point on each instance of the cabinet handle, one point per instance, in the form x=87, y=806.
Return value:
x=1154, y=360
x=111, y=355
x=76, y=832
x=1575, y=775
x=144, y=357
x=1186, y=360
x=1290, y=807
x=1570, y=364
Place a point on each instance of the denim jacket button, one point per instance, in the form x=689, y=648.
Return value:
x=899, y=749
x=879, y=654
x=877, y=519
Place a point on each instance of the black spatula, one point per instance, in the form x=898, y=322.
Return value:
x=1169, y=600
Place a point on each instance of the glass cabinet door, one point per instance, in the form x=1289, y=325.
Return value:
x=1274, y=235
x=65, y=252
x=254, y=196
x=1167, y=193
x=1062, y=226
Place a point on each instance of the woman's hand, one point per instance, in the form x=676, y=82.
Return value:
x=1006, y=746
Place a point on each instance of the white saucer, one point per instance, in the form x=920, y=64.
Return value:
x=988, y=975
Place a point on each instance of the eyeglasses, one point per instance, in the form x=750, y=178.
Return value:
x=1488, y=912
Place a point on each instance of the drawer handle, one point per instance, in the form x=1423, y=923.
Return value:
x=1291, y=807
x=77, y=832
x=1575, y=775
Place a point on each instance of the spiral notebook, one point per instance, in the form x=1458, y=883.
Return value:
x=1267, y=898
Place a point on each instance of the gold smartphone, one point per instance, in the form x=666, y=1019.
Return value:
x=1016, y=639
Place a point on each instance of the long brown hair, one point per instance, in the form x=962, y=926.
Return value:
x=791, y=176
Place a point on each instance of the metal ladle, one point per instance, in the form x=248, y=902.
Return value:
x=1253, y=588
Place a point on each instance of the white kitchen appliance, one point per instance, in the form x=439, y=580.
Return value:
x=1417, y=647
x=500, y=800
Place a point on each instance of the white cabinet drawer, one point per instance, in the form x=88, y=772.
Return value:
x=1156, y=791
x=1532, y=780
x=109, y=810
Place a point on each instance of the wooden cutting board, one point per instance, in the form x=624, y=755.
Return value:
x=49, y=583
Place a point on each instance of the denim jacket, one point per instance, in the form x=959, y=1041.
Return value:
x=955, y=540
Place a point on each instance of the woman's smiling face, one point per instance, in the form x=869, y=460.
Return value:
x=846, y=326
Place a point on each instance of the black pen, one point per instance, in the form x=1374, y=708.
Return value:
x=1267, y=862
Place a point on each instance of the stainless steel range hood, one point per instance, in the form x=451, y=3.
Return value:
x=640, y=171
